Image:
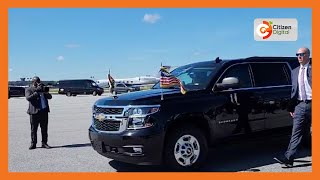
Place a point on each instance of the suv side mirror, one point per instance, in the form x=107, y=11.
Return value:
x=227, y=83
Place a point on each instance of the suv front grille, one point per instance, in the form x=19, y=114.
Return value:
x=108, y=110
x=107, y=125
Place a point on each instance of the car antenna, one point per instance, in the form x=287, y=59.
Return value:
x=218, y=60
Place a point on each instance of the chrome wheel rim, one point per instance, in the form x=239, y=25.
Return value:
x=187, y=150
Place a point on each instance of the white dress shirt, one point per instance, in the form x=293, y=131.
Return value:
x=307, y=85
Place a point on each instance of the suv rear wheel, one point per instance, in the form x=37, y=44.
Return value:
x=186, y=149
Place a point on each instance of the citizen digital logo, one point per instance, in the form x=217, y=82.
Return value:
x=280, y=29
x=275, y=29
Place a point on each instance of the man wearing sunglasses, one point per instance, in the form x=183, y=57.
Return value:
x=300, y=107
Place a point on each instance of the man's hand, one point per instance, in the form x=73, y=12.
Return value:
x=39, y=89
x=291, y=114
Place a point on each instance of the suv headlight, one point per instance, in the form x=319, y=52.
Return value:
x=138, y=116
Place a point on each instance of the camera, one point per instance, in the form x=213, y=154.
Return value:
x=43, y=87
x=46, y=89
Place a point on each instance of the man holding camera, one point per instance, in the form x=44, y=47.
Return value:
x=38, y=96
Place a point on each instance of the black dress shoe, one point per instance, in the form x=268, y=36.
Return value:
x=33, y=146
x=288, y=163
x=45, y=145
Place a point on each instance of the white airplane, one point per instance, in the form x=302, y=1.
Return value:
x=142, y=80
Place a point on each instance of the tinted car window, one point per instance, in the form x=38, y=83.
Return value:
x=88, y=84
x=240, y=71
x=94, y=84
x=288, y=73
x=81, y=84
x=269, y=74
x=195, y=76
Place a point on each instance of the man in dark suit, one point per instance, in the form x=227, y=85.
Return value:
x=38, y=96
x=300, y=106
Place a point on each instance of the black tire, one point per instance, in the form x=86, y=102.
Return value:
x=173, y=137
x=94, y=93
x=68, y=94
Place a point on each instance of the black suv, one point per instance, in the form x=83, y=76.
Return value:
x=79, y=86
x=225, y=98
x=16, y=91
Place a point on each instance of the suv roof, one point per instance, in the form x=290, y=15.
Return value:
x=291, y=60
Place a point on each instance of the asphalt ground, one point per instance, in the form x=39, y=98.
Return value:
x=70, y=119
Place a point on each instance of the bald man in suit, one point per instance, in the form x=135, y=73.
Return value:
x=300, y=106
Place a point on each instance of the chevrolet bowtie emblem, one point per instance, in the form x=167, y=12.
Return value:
x=100, y=117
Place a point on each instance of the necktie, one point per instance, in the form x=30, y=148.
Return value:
x=302, y=86
x=42, y=101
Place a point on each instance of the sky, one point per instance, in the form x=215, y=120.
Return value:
x=72, y=43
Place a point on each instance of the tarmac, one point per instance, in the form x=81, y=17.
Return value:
x=69, y=120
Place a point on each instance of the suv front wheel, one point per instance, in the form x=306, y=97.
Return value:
x=186, y=149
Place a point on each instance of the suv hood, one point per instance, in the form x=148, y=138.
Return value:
x=152, y=96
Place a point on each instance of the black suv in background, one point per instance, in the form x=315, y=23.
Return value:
x=16, y=91
x=164, y=126
x=79, y=86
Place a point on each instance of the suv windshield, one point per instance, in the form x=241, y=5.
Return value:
x=194, y=76
x=94, y=84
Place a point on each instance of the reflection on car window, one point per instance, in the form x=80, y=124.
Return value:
x=194, y=77
x=94, y=84
x=263, y=77
x=241, y=72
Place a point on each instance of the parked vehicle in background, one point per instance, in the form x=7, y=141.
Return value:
x=79, y=86
x=16, y=91
x=124, y=88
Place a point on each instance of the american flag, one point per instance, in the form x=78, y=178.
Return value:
x=111, y=80
x=168, y=80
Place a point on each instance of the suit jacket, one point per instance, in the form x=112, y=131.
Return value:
x=34, y=100
x=295, y=86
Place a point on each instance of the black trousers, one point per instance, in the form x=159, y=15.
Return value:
x=243, y=119
x=36, y=119
x=243, y=123
x=300, y=129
